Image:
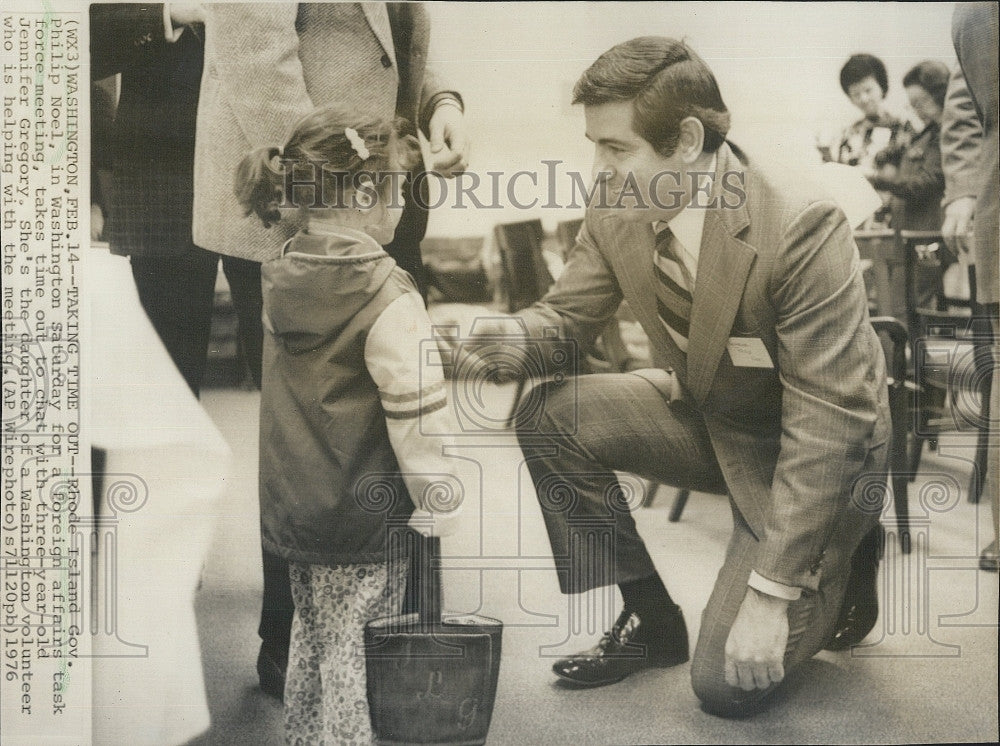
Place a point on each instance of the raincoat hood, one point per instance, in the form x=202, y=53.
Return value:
x=318, y=284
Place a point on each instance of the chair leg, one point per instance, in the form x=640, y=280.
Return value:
x=678, y=507
x=984, y=369
x=652, y=487
x=900, y=499
x=979, y=468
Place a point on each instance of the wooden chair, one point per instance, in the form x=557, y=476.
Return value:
x=566, y=232
x=896, y=341
x=951, y=340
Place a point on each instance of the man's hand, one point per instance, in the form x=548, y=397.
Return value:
x=185, y=14
x=449, y=141
x=488, y=348
x=96, y=222
x=957, y=224
x=755, y=650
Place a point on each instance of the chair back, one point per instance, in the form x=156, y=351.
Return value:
x=525, y=277
x=566, y=232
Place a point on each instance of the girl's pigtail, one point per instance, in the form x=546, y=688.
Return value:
x=259, y=182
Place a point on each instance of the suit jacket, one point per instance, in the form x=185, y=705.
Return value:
x=269, y=64
x=794, y=442
x=152, y=143
x=971, y=149
x=918, y=188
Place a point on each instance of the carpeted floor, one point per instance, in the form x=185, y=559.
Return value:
x=928, y=672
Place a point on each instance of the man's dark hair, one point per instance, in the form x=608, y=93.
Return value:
x=932, y=76
x=860, y=66
x=666, y=82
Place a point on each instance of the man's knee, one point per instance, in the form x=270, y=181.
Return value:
x=719, y=699
x=708, y=680
x=548, y=408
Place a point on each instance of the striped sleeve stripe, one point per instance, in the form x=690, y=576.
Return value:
x=418, y=411
x=413, y=404
x=409, y=396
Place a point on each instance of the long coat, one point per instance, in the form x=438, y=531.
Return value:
x=269, y=64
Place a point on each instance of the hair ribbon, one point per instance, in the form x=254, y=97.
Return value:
x=357, y=143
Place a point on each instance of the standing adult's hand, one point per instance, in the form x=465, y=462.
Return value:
x=186, y=14
x=755, y=650
x=957, y=225
x=448, y=140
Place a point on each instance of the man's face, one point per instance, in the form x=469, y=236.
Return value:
x=642, y=185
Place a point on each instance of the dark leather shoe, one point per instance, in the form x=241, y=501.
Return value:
x=271, y=674
x=989, y=559
x=859, y=610
x=631, y=645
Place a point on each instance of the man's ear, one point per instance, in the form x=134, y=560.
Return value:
x=691, y=140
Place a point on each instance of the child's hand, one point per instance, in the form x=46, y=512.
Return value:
x=435, y=524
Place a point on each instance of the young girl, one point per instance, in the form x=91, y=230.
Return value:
x=345, y=406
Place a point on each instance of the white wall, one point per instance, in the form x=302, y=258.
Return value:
x=777, y=65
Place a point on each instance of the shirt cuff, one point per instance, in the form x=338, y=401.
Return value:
x=773, y=588
x=449, y=98
x=169, y=32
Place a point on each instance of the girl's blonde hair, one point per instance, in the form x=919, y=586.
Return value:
x=342, y=144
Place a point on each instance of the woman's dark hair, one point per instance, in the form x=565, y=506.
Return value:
x=333, y=139
x=932, y=76
x=666, y=82
x=860, y=66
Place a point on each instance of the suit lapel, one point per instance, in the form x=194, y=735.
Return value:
x=378, y=19
x=724, y=263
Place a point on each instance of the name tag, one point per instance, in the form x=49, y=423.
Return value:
x=749, y=352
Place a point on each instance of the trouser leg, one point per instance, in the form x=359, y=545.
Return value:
x=405, y=245
x=586, y=428
x=243, y=276
x=277, y=609
x=177, y=292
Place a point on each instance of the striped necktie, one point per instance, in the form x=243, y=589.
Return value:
x=673, y=288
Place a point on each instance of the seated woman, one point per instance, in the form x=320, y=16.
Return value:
x=917, y=184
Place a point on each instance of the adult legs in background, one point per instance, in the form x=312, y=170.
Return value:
x=277, y=605
x=405, y=245
x=277, y=609
x=326, y=695
x=176, y=291
x=405, y=249
x=244, y=286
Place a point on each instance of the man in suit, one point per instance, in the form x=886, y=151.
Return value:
x=266, y=66
x=769, y=385
x=970, y=143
